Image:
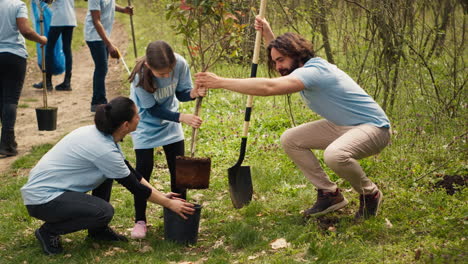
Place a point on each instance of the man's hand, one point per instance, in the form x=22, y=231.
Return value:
x=128, y=10
x=207, y=80
x=191, y=120
x=42, y=40
x=113, y=51
x=261, y=24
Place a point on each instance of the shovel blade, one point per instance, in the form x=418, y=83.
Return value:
x=192, y=173
x=240, y=185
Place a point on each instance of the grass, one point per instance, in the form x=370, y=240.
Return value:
x=418, y=223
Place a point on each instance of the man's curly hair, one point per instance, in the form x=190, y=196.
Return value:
x=293, y=46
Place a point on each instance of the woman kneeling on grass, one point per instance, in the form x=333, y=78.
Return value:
x=89, y=158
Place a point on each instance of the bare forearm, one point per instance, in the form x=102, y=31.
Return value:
x=119, y=9
x=268, y=37
x=156, y=196
x=250, y=86
x=101, y=32
x=32, y=35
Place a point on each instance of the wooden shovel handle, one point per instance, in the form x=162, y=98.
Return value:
x=253, y=72
x=133, y=32
x=195, y=130
x=43, y=68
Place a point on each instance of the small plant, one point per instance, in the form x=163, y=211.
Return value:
x=210, y=30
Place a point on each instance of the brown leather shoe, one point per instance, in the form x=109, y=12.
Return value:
x=326, y=202
x=369, y=205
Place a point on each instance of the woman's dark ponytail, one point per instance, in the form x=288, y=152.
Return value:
x=109, y=117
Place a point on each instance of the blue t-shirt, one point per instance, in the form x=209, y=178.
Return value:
x=63, y=13
x=152, y=131
x=332, y=94
x=11, y=40
x=80, y=162
x=107, y=9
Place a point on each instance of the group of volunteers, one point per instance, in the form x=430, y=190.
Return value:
x=353, y=127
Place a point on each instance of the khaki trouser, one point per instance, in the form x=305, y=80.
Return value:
x=343, y=146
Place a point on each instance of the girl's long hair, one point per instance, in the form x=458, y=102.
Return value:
x=159, y=56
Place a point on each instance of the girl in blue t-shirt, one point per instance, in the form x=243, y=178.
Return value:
x=159, y=81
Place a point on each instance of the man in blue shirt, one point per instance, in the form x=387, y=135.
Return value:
x=354, y=125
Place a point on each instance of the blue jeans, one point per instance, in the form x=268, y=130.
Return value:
x=52, y=37
x=100, y=56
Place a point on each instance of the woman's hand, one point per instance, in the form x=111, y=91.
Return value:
x=175, y=196
x=181, y=208
x=191, y=120
x=207, y=80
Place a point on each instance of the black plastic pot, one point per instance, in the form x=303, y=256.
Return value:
x=180, y=230
x=46, y=118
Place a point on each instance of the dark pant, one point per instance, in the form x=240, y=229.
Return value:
x=144, y=165
x=100, y=56
x=74, y=211
x=52, y=37
x=12, y=73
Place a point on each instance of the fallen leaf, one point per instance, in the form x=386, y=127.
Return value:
x=145, y=249
x=218, y=243
x=279, y=243
x=388, y=223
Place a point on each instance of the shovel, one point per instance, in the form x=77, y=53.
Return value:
x=240, y=179
x=133, y=31
x=191, y=172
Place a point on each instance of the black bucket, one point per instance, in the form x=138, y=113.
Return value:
x=180, y=230
x=46, y=118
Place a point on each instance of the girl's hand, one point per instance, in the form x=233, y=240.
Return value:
x=181, y=208
x=198, y=91
x=191, y=120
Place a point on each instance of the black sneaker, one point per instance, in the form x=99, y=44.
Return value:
x=106, y=234
x=326, y=202
x=369, y=205
x=63, y=87
x=39, y=86
x=49, y=243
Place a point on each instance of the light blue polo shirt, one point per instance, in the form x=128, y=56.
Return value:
x=11, y=40
x=107, y=9
x=80, y=162
x=63, y=13
x=154, y=132
x=332, y=94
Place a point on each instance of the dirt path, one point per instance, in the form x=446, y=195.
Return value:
x=73, y=106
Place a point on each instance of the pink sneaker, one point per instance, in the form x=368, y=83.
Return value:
x=139, y=230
